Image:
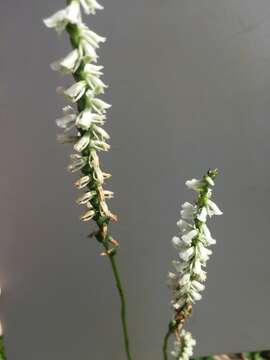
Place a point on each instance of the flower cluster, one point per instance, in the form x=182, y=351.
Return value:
x=183, y=347
x=82, y=126
x=193, y=243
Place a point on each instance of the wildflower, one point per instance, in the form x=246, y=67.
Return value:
x=68, y=64
x=90, y=6
x=60, y=19
x=75, y=91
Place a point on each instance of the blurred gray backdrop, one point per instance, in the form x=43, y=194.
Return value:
x=190, y=88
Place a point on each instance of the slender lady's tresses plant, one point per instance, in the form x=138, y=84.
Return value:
x=83, y=127
x=192, y=245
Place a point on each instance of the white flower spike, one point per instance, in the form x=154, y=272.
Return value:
x=192, y=245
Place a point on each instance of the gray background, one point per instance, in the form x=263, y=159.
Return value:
x=190, y=88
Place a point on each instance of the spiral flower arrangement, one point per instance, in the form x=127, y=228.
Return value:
x=192, y=244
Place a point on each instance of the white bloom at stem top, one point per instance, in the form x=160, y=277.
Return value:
x=192, y=244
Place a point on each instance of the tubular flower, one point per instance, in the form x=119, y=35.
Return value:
x=192, y=244
x=83, y=126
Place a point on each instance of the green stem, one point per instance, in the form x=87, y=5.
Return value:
x=123, y=304
x=165, y=342
x=2, y=349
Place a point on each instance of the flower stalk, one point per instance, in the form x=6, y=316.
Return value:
x=83, y=128
x=192, y=245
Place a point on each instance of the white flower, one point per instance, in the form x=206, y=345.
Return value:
x=82, y=182
x=197, y=285
x=187, y=211
x=82, y=143
x=93, y=70
x=95, y=83
x=60, y=19
x=90, y=6
x=204, y=253
x=86, y=118
x=68, y=64
x=212, y=208
x=75, y=91
x=187, y=238
x=202, y=216
x=100, y=132
x=88, y=50
x=195, y=295
x=207, y=235
x=92, y=38
x=187, y=253
x=194, y=184
x=100, y=145
x=83, y=199
x=98, y=105
x=77, y=162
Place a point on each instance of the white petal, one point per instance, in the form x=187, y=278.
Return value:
x=90, y=6
x=73, y=13
x=207, y=235
x=184, y=280
x=88, y=50
x=187, y=211
x=68, y=64
x=75, y=91
x=77, y=162
x=58, y=20
x=176, y=242
x=100, y=145
x=85, y=119
x=194, y=184
x=197, y=285
x=187, y=238
x=101, y=132
x=195, y=295
x=213, y=208
x=184, y=226
x=187, y=254
x=202, y=216
x=210, y=180
x=82, y=143
x=84, y=198
x=82, y=182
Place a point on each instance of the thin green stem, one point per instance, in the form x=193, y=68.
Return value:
x=123, y=304
x=165, y=343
